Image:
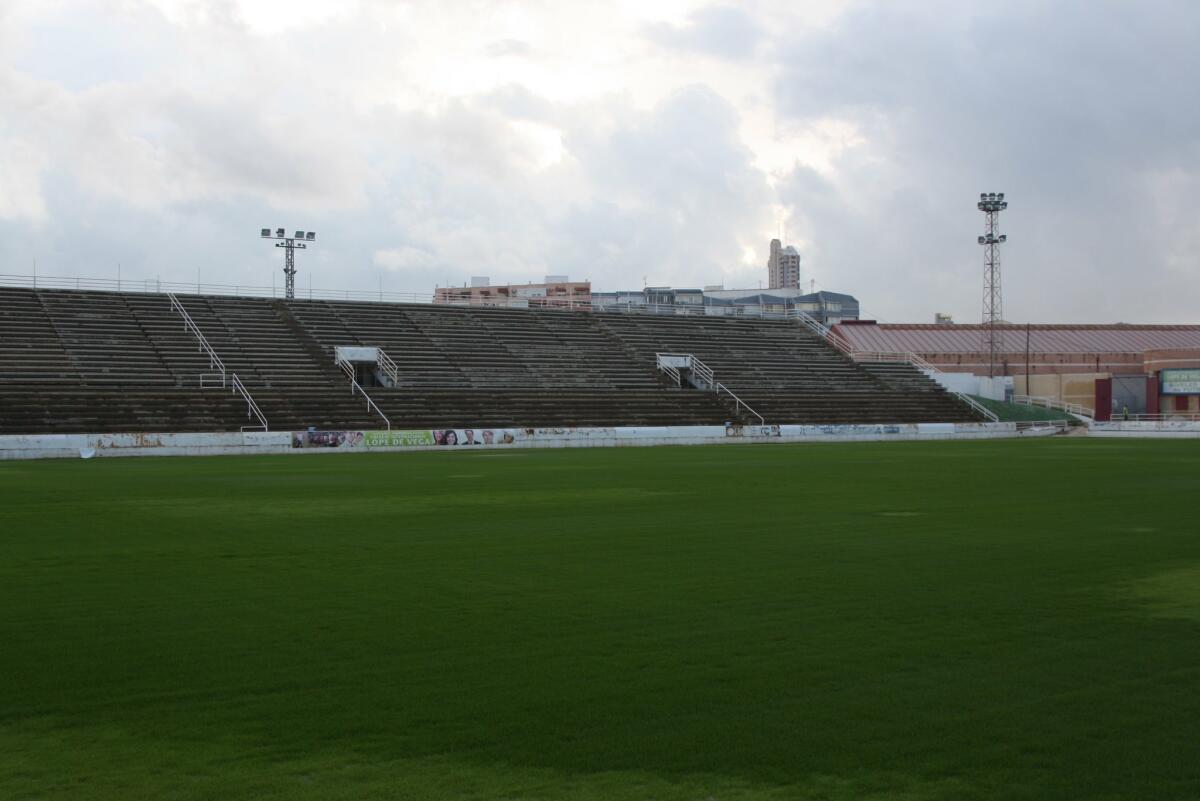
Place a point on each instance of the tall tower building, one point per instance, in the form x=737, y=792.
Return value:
x=783, y=267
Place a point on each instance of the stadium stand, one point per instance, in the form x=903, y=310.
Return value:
x=788, y=374
x=83, y=361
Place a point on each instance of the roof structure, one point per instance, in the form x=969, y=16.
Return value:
x=1118, y=338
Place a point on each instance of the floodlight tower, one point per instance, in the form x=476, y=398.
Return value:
x=289, y=244
x=991, y=204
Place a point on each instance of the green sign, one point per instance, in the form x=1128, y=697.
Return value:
x=396, y=439
x=1181, y=382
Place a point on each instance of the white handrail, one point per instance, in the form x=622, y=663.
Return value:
x=671, y=370
x=251, y=407
x=703, y=372
x=699, y=369
x=842, y=344
x=388, y=365
x=1051, y=403
x=190, y=325
x=214, y=360
x=348, y=369
x=977, y=406
x=706, y=376
x=739, y=403
x=1061, y=425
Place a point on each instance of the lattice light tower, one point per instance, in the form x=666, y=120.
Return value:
x=991, y=204
x=289, y=244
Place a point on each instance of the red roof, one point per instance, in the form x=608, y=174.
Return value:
x=1042, y=338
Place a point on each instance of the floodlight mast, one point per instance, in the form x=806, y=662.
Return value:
x=289, y=244
x=991, y=204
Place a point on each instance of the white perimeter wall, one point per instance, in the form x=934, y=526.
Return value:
x=91, y=445
x=1152, y=429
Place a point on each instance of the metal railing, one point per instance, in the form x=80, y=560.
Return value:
x=701, y=373
x=348, y=369
x=252, y=410
x=739, y=404
x=388, y=366
x=157, y=286
x=907, y=357
x=1052, y=403
x=1183, y=417
x=705, y=377
x=975, y=405
x=671, y=370
x=704, y=373
x=214, y=361
x=235, y=383
x=1059, y=425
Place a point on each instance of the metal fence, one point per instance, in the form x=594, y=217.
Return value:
x=156, y=286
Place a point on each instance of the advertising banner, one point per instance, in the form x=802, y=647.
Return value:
x=1180, y=382
x=732, y=430
x=474, y=436
x=397, y=439
x=446, y=437
x=846, y=430
x=327, y=439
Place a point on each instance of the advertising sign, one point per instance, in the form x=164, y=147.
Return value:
x=327, y=439
x=732, y=430
x=1180, y=382
x=474, y=436
x=397, y=439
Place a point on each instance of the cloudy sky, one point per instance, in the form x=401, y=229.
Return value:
x=622, y=142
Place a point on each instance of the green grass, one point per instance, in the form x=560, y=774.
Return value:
x=1009, y=619
x=1015, y=413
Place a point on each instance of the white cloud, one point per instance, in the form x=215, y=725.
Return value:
x=20, y=174
x=431, y=141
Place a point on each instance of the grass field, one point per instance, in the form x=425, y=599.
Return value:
x=1000, y=620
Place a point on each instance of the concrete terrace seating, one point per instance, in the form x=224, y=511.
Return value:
x=105, y=361
x=503, y=367
x=787, y=374
x=31, y=350
x=78, y=361
x=282, y=368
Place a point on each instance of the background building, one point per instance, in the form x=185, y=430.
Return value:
x=828, y=307
x=1118, y=366
x=784, y=296
x=783, y=267
x=556, y=292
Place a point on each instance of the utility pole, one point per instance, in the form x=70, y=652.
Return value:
x=1028, y=390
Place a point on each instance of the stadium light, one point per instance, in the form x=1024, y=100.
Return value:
x=289, y=244
x=991, y=204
